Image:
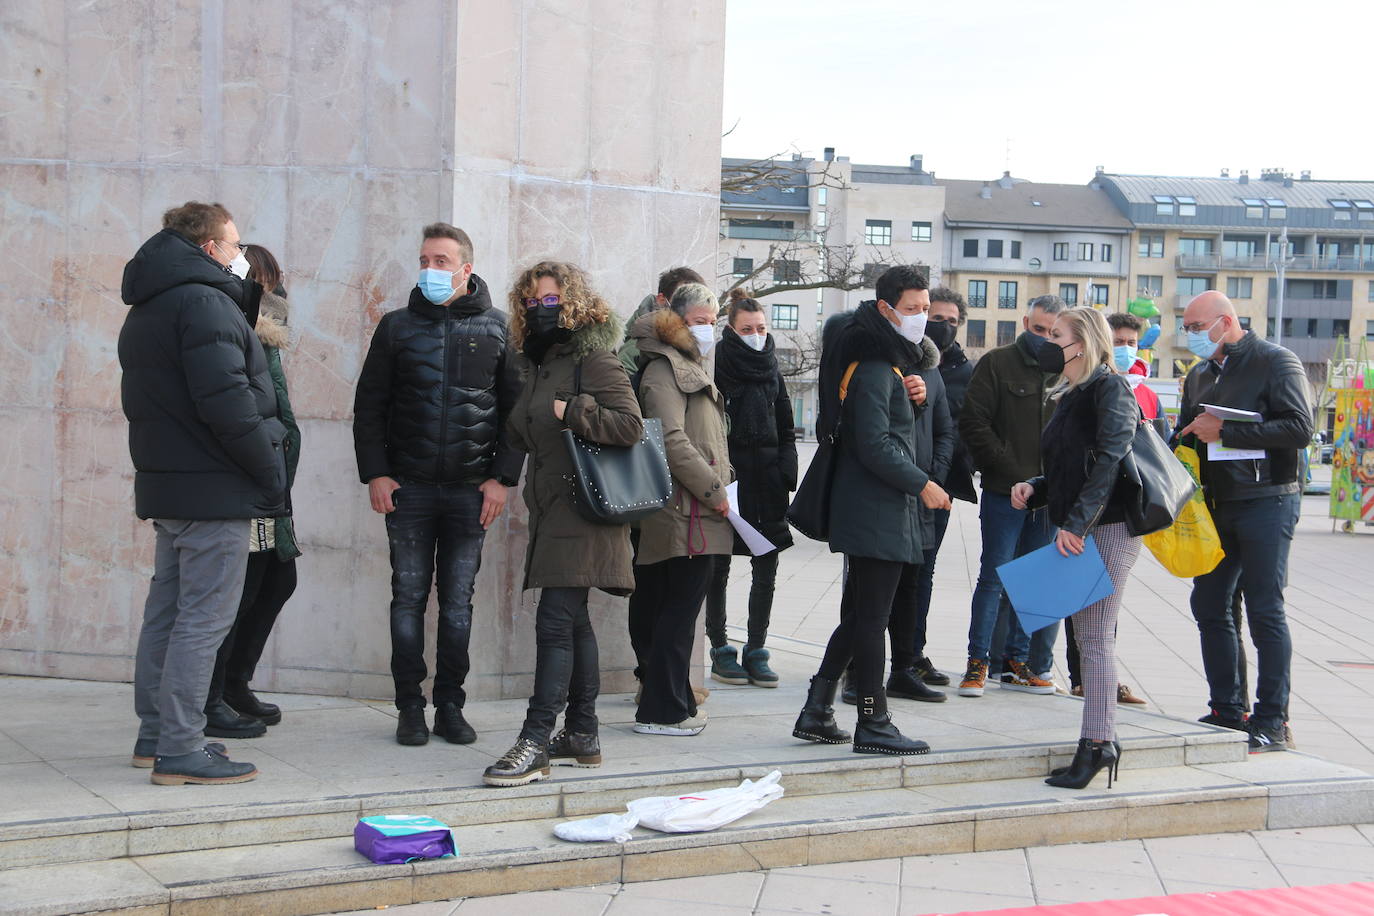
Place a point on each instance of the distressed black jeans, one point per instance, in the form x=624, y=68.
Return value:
x=567, y=672
x=435, y=533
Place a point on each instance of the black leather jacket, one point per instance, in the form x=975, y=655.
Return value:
x=435, y=391
x=1260, y=376
x=1081, y=449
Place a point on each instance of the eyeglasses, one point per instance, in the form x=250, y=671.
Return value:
x=1199, y=326
x=551, y=301
x=240, y=246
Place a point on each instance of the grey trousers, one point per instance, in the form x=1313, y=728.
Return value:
x=198, y=574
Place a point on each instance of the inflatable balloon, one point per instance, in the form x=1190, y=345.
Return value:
x=1148, y=339
x=1142, y=308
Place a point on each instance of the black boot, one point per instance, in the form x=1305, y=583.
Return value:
x=450, y=725
x=575, y=749
x=223, y=722
x=817, y=719
x=411, y=729
x=1060, y=771
x=849, y=693
x=237, y=695
x=1091, y=758
x=876, y=734
x=907, y=684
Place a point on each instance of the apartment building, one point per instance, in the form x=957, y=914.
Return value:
x=1010, y=240
x=1195, y=234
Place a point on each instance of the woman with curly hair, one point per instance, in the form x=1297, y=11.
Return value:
x=575, y=381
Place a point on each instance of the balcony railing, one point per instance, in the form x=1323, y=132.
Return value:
x=977, y=302
x=767, y=233
x=1196, y=262
x=1006, y=302
x=1298, y=262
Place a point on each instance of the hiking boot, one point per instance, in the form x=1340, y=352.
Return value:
x=974, y=678
x=756, y=664
x=926, y=670
x=575, y=749
x=145, y=752
x=816, y=722
x=201, y=767
x=222, y=721
x=875, y=733
x=1016, y=675
x=907, y=684
x=1215, y=717
x=1124, y=695
x=684, y=729
x=238, y=696
x=450, y=725
x=1264, y=740
x=524, y=763
x=411, y=729
x=725, y=668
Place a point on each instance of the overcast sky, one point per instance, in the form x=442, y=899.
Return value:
x=1163, y=88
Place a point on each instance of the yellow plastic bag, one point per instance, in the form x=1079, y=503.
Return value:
x=1190, y=546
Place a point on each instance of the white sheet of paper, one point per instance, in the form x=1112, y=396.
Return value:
x=758, y=544
x=1218, y=452
x=1232, y=413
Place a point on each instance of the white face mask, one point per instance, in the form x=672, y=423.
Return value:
x=705, y=335
x=756, y=341
x=239, y=266
x=913, y=327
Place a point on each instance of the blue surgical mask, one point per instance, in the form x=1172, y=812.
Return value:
x=1201, y=343
x=1124, y=356
x=437, y=285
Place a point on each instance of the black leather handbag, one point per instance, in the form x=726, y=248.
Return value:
x=616, y=484
x=809, y=512
x=1156, y=484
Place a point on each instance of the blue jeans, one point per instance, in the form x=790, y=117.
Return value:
x=1007, y=534
x=1256, y=534
x=433, y=529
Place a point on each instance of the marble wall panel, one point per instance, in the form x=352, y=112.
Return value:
x=406, y=85
x=29, y=544
x=257, y=198
x=484, y=126
x=620, y=224
x=313, y=644
x=329, y=502
x=33, y=70
x=481, y=205
x=183, y=125
x=398, y=205
x=160, y=190
x=107, y=41
x=329, y=55
x=623, y=111
x=691, y=66
x=555, y=94
x=255, y=93
x=686, y=228
x=551, y=219
x=33, y=218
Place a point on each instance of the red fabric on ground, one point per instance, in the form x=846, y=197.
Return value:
x=1327, y=900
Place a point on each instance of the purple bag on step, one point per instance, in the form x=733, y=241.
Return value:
x=394, y=839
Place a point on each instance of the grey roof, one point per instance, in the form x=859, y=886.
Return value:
x=792, y=175
x=888, y=174
x=1227, y=192
x=1060, y=205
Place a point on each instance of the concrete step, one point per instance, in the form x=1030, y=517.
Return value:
x=885, y=809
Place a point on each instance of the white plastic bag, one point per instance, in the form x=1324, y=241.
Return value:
x=706, y=810
x=602, y=828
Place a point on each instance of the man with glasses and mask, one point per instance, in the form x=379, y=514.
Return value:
x=206, y=445
x=1255, y=497
x=429, y=430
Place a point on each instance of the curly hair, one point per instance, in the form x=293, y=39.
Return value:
x=581, y=304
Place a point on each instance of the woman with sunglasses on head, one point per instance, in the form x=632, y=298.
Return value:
x=575, y=381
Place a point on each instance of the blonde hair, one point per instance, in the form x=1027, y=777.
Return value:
x=1087, y=327
x=581, y=305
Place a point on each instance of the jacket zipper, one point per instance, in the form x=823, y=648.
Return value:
x=443, y=404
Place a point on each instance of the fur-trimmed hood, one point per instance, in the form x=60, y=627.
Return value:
x=604, y=335
x=271, y=333
x=663, y=334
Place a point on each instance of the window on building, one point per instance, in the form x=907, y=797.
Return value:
x=1311, y=327
x=1061, y=251
x=820, y=218
x=1187, y=206
x=878, y=231
x=872, y=272
x=1106, y=254
x=1342, y=209
x=1340, y=327
x=1151, y=245
x=1254, y=207
x=1006, y=295
x=1085, y=251
x=1149, y=284
x=994, y=248
x=1245, y=322
x=1240, y=288
x=1191, y=246
x=1164, y=205
x=920, y=232
x=1006, y=333
x=1188, y=287
x=1277, y=208
x=1371, y=290
x=821, y=195
x=978, y=294
x=1288, y=327
x=1368, y=329
x=976, y=334
x=1015, y=250
x=1237, y=246
x=785, y=317
x=1100, y=293
x=820, y=302
x=1310, y=289
x=1069, y=293
x=743, y=267
x=1364, y=209
x=785, y=271
x=970, y=248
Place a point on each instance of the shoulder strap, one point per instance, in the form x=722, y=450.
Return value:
x=577, y=378
x=849, y=374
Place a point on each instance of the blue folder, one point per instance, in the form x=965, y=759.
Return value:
x=1045, y=587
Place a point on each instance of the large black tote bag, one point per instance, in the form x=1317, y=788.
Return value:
x=1157, y=485
x=810, y=509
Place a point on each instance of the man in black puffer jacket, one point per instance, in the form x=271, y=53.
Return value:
x=429, y=429
x=207, y=451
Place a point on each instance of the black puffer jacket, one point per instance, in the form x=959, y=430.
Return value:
x=935, y=433
x=1081, y=450
x=435, y=391
x=1263, y=377
x=955, y=370
x=203, y=429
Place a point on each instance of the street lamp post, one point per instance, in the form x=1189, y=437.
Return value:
x=1280, y=266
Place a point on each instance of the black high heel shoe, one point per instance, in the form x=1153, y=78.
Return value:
x=1090, y=759
x=1060, y=771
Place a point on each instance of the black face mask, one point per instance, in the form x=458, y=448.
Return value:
x=1050, y=356
x=542, y=332
x=941, y=333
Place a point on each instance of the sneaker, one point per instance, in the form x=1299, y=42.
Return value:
x=1264, y=740
x=411, y=729
x=575, y=749
x=974, y=678
x=725, y=666
x=1124, y=695
x=1021, y=678
x=927, y=671
x=684, y=729
x=699, y=694
x=450, y=725
x=202, y=767
x=524, y=763
x=1216, y=718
